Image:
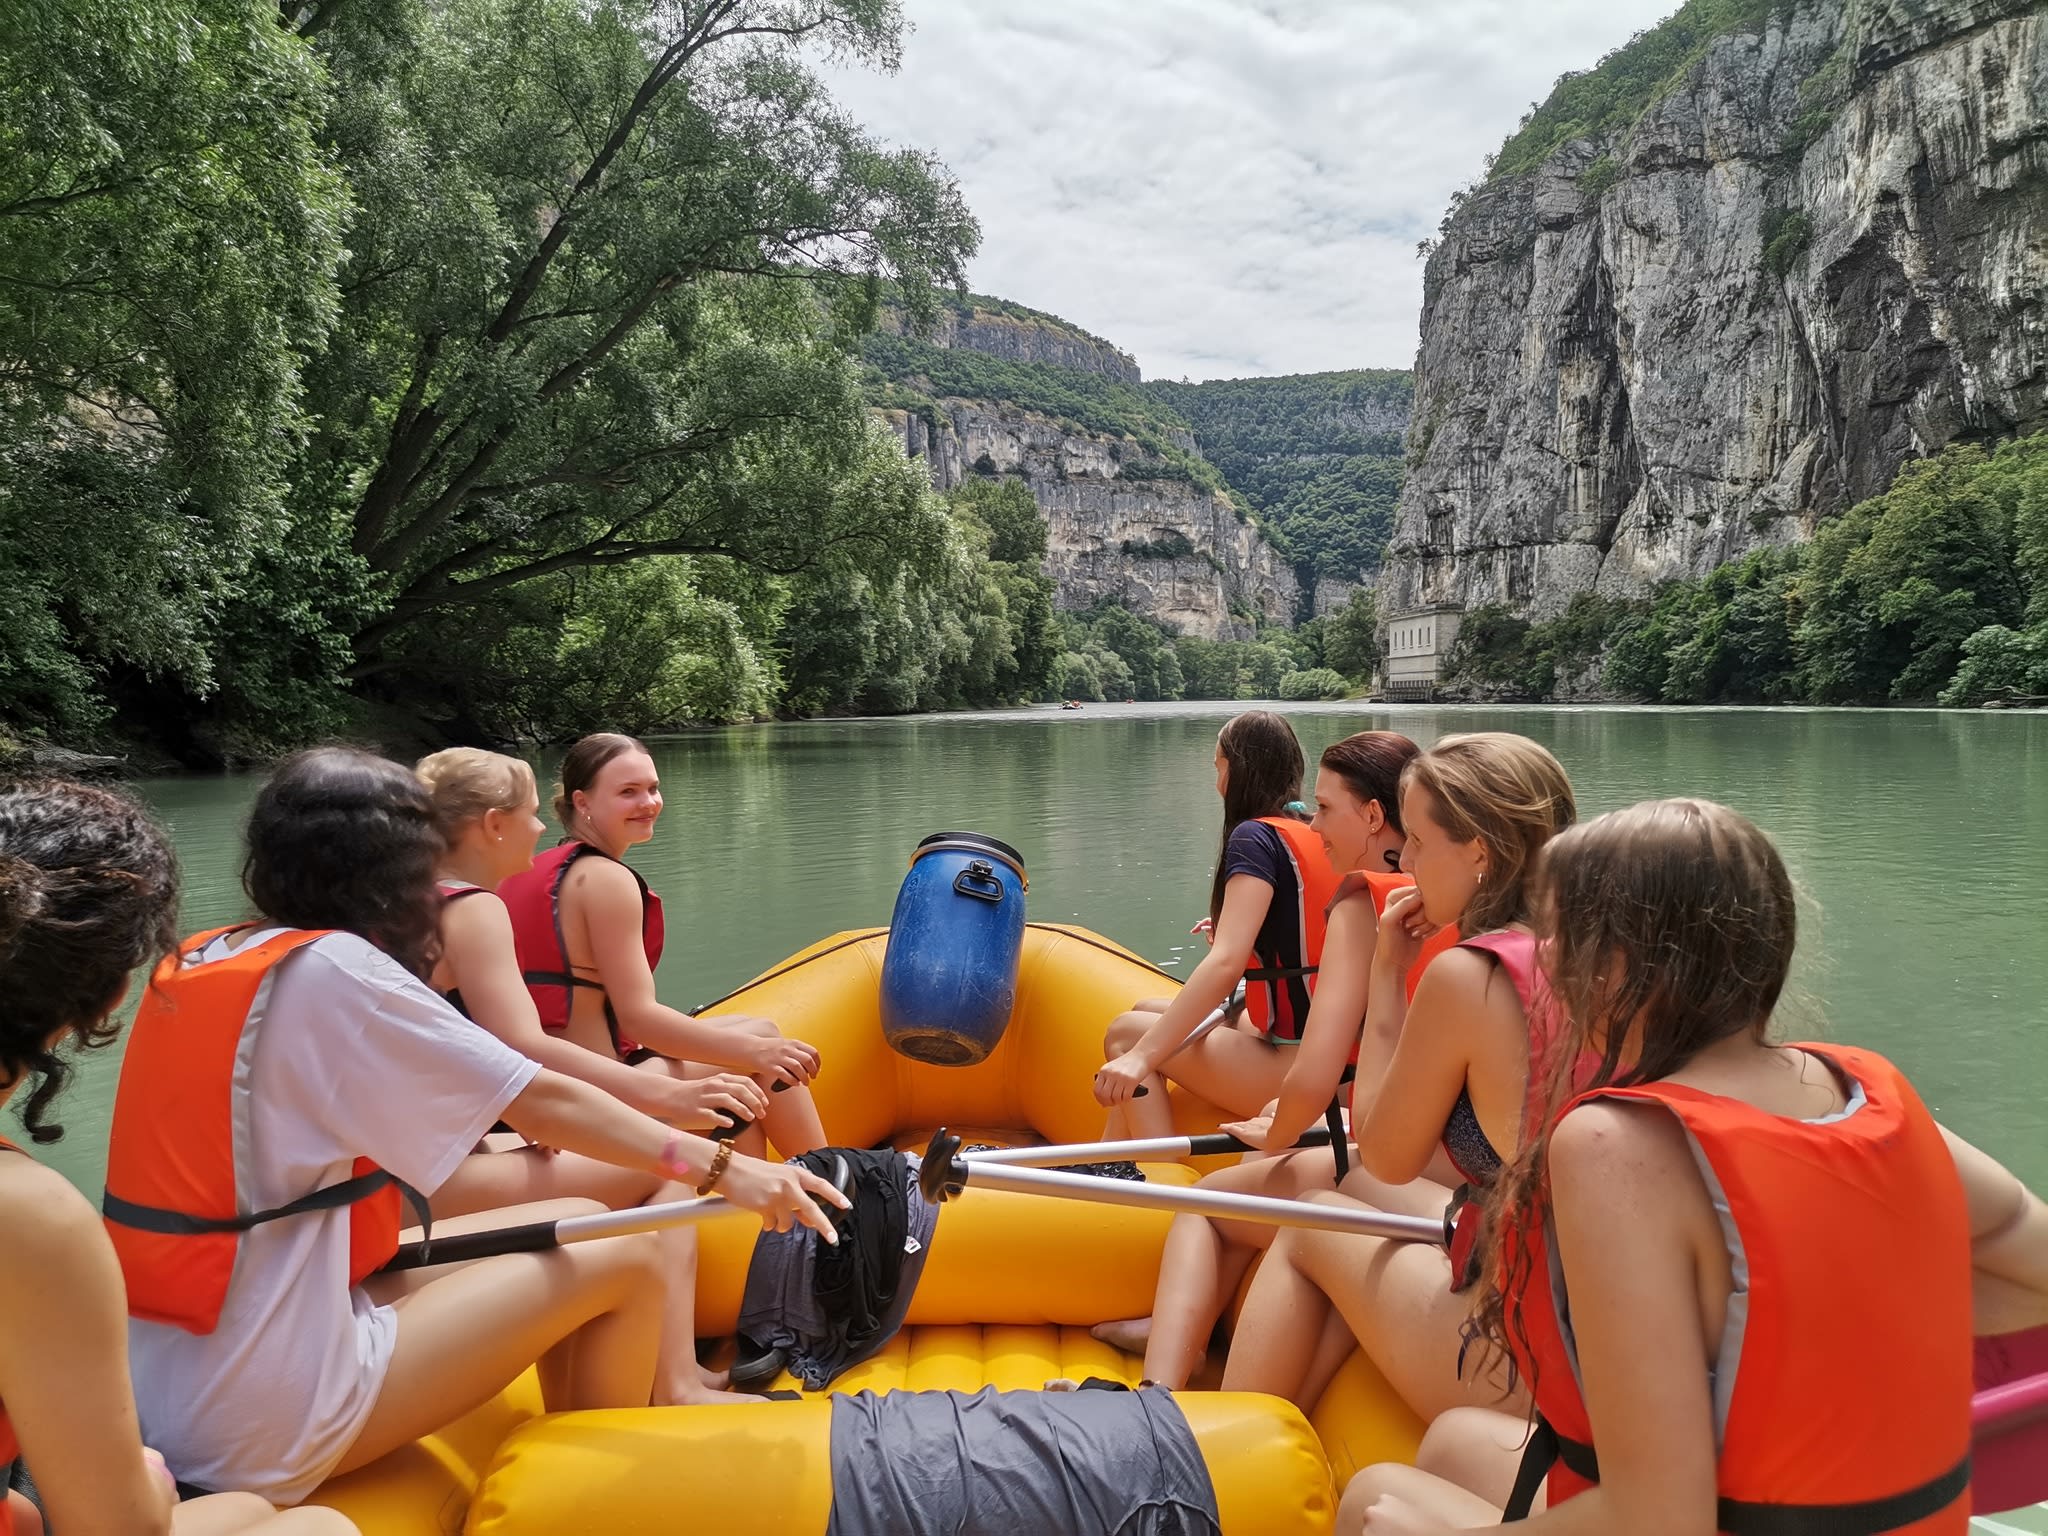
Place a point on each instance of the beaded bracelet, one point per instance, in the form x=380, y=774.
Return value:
x=717, y=1171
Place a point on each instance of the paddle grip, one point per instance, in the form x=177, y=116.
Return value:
x=459, y=1247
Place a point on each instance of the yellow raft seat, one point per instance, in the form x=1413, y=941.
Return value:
x=1010, y=1287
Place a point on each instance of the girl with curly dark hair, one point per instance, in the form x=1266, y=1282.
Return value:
x=88, y=892
x=301, y=1068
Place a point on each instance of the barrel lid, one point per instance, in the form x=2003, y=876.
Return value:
x=973, y=842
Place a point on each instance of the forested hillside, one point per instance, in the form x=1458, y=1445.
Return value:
x=1317, y=455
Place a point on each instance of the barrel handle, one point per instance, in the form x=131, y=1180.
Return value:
x=979, y=881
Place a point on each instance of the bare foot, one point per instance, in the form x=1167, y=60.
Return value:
x=698, y=1395
x=1062, y=1384
x=1130, y=1335
x=714, y=1381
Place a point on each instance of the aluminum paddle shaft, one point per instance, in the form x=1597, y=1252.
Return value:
x=946, y=1174
x=1166, y=1149
x=538, y=1236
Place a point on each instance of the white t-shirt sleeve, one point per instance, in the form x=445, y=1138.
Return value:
x=389, y=1069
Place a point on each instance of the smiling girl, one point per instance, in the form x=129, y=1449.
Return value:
x=588, y=934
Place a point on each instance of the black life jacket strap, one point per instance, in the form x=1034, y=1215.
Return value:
x=559, y=979
x=1279, y=972
x=1333, y=1117
x=167, y=1223
x=1871, y=1517
x=1741, y=1517
x=1538, y=1457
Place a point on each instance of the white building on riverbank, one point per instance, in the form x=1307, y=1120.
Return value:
x=1417, y=643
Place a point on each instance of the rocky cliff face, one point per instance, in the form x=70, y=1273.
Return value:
x=1652, y=355
x=1165, y=548
x=1022, y=336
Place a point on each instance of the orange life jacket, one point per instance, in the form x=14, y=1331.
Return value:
x=1267, y=993
x=177, y=1202
x=533, y=900
x=1842, y=1387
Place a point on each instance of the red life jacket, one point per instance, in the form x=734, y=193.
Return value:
x=533, y=898
x=1842, y=1384
x=1515, y=953
x=1267, y=994
x=176, y=1204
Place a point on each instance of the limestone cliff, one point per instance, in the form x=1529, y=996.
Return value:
x=1122, y=524
x=1822, y=251
x=1015, y=334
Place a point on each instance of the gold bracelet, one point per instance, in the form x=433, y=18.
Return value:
x=719, y=1159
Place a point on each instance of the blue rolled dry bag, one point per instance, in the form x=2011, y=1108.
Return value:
x=949, y=976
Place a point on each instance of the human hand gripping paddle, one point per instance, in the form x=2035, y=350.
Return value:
x=1124, y=1078
x=781, y=1194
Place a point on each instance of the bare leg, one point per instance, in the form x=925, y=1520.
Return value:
x=1233, y=1069
x=464, y=1335
x=243, y=1514
x=1334, y=1348
x=1443, y=1502
x=1205, y=1260
x=493, y=1181
x=1151, y=1115
x=792, y=1124
x=1396, y=1299
x=1479, y=1449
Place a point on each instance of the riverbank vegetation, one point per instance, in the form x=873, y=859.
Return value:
x=1935, y=592
x=1113, y=654
x=487, y=361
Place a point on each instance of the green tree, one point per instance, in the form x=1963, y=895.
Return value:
x=1894, y=587
x=168, y=235
x=1351, y=644
x=589, y=312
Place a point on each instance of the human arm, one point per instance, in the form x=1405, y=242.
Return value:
x=1635, y=1231
x=564, y=1112
x=2008, y=1242
x=1245, y=901
x=1457, y=1015
x=64, y=1363
x=482, y=964
x=611, y=909
x=1334, y=1018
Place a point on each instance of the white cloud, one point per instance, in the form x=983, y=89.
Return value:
x=1224, y=187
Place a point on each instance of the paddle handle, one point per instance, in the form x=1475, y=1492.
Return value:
x=461, y=1247
x=1145, y=1149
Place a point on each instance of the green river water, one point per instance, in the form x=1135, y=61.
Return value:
x=1921, y=839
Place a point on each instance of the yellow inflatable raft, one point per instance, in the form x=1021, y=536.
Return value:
x=1010, y=1287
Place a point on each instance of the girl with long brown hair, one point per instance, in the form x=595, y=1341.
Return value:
x=1442, y=1082
x=588, y=933
x=1358, y=818
x=1266, y=903
x=1769, y=1256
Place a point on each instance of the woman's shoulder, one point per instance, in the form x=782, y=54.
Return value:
x=47, y=1221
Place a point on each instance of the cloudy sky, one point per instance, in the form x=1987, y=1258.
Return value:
x=1224, y=187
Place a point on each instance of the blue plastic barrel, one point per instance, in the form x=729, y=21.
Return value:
x=949, y=976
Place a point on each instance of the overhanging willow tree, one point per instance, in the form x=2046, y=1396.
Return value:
x=603, y=265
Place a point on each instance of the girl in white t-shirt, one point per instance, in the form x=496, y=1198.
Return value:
x=303, y=1376
x=489, y=809
x=88, y=891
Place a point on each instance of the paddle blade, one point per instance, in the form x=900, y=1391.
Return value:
x=2009, y=1419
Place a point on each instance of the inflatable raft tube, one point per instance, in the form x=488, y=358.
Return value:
x=768, y=1470
x=1012, y=1282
